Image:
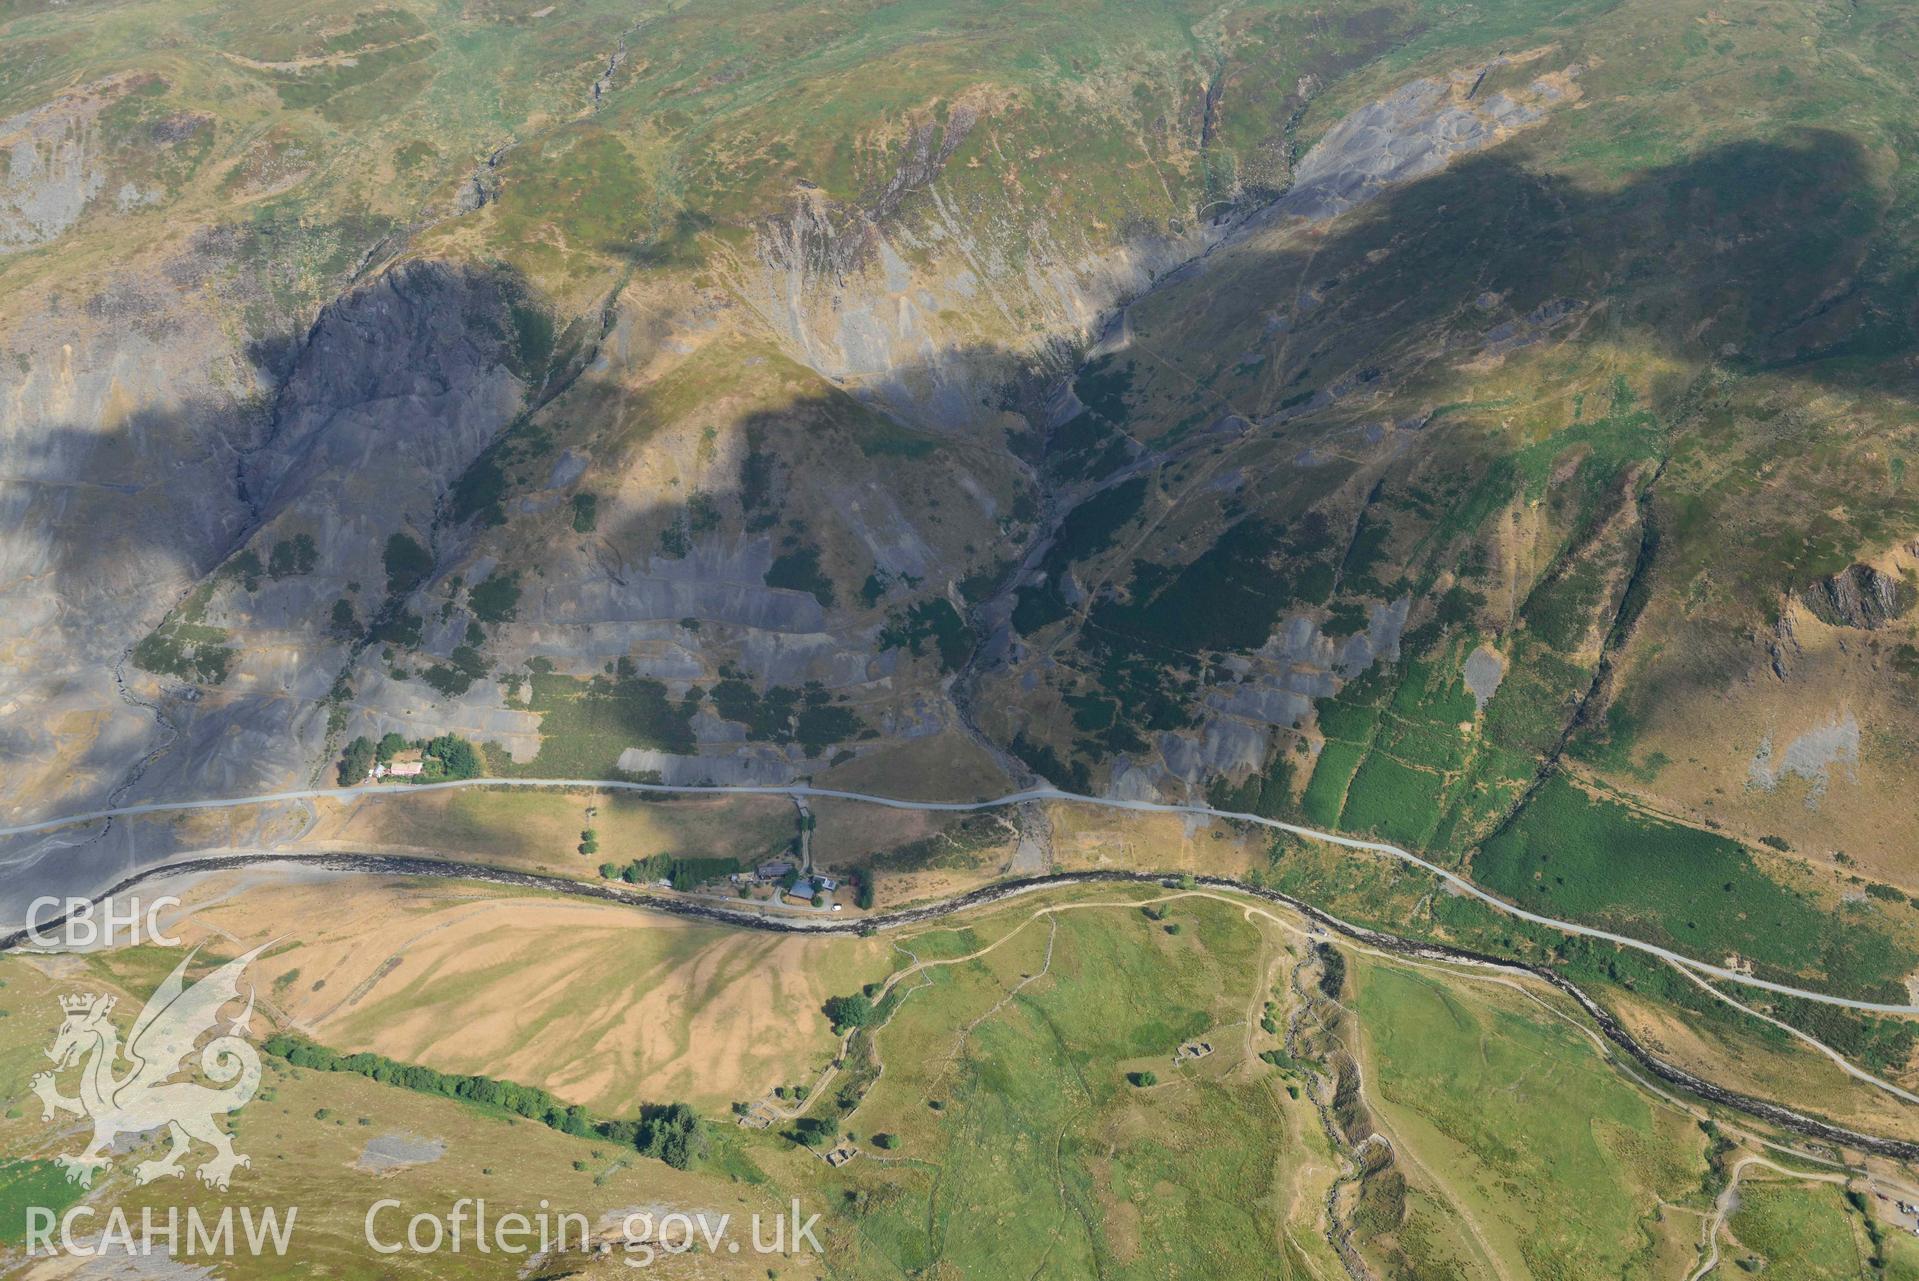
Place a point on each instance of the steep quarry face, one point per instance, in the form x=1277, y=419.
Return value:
x=716, y=567
x=1416, y=131
x=930, y=300
x=399, y=386
x=172, y=456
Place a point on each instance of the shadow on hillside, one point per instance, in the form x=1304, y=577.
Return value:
x=1768, y=257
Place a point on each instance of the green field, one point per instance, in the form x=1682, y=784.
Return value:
x=1566, y=1169
x=1588, y=858
x=1039, y=1157
x=1006, y=1074
x=1799, y=1230
x=39, y=1184
x=1326, y=791
x=1402, y=750
x=1393, y=800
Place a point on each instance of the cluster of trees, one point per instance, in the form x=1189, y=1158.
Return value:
x=1332, y=974
x=450, y=756
x=447, y=757
x=680, y=873
x=298, y=556
x=672, y=1132
x=497, y=599
x=522, y=1100
x=812, y=1131
x=406, y=564
x=356, y=760
x=844, y=1012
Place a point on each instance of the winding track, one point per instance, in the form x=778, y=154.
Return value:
x=615, y=892
x=1457, y=882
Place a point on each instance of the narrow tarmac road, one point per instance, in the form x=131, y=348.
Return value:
x=800, y=790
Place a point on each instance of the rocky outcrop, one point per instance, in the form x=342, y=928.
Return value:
x=931, y=306
x=1859, y=596
x=1412, y=132
x=399, y=386
x=1782, y=647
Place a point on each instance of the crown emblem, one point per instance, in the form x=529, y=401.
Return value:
x=85, y=1003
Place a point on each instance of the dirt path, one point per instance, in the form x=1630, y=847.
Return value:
x=1385, y=1132
x=918, y=967
x=1723, y=1206
x=344, y=59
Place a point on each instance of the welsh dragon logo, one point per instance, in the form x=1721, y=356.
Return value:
x=143, y=1097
